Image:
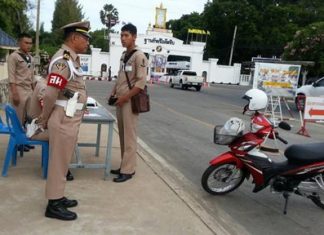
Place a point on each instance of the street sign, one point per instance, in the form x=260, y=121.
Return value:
x=314, y=108
x=276, y=79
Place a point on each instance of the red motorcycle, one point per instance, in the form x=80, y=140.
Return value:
x=301, y=173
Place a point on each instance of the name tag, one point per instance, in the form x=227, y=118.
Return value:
x=128, y=68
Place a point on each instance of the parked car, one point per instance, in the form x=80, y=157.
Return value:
x=185, y=79
x=316, y=89
x=165, y=78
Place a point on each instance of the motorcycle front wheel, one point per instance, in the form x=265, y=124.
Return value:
x=222, y=178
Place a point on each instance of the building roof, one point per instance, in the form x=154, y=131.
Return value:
x=6, y=41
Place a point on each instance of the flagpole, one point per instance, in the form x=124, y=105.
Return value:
x=187, y=36
x=37, y=58
x=232, y=47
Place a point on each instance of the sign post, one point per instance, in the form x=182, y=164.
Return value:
x=279, y=81
x=314, y=110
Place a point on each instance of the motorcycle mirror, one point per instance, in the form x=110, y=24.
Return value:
x=284, y=125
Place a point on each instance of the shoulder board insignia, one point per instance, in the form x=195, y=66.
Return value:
x=66, y=55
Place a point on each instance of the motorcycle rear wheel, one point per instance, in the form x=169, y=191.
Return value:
x=223, y=178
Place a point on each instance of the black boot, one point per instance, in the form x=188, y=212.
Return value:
x=115, y=172
x=69, y=176
x=56, y=209
x=68, y=203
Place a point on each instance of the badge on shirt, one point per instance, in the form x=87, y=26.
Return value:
x=128, y=68
x=60, y=66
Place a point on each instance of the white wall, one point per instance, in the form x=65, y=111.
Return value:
x=3, y=71
x=149, y=42
x=223, y=73
x=4, y=67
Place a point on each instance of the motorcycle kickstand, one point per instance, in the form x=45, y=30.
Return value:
x=286, y=196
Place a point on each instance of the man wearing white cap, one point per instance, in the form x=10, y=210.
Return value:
x=63, y=105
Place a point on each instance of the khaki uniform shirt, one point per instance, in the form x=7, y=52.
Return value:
x=61, y=69
x=21, y=72
x=136, y=68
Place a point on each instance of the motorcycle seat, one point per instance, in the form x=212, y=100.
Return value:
x=305, y=153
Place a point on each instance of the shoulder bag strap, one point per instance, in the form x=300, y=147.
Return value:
x=26, y=58
x=126, y=58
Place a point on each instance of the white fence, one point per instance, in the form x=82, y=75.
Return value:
x=245, y=79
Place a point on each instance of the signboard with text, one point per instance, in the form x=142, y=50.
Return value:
x=276, y=79
x=85, y=63
x=314, y=108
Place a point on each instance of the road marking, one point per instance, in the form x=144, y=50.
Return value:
x=183, y=115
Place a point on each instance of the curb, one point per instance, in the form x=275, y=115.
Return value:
x=168, y=174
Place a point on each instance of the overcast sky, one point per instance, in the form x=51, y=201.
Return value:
x=138, y=12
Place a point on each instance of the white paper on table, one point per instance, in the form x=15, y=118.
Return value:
x=92, y=115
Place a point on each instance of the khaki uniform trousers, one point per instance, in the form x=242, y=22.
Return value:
x=63, y=135
x=24, y=96
x=127, y=126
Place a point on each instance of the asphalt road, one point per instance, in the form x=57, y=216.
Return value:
x=180, y=128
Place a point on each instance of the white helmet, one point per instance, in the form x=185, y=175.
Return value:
x=234, y=126
x=257, y=99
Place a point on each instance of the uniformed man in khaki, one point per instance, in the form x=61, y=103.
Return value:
x=21, y=76
x=34, y=111
x=136, y=69
x=64, y=100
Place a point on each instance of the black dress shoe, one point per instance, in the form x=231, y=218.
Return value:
x=69, y=176
x=55, y=209
x=117, y=172
x=68, y=203
x=123, y=177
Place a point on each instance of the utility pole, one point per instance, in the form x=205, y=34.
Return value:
x=37, y=58
x=232, y=48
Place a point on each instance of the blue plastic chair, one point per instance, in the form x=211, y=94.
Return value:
x=3, y=128
x=18, y=137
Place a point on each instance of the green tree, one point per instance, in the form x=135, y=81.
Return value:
x=263, y=26
x=66, y=11
x=47, y=42
x=99, y=39
x=180, y=27
x=13, y=17
x=221, y=19
x=308, y=44
x=109, y=17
